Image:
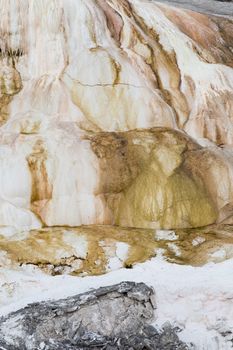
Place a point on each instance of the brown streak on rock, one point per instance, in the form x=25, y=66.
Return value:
x=162, y=60
x=10, y=85
x=41, y=187
x=118, y=165
x=113, y=18
x=212, y=35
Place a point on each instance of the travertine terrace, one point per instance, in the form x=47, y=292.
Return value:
x=107, y=107
x=116, y=123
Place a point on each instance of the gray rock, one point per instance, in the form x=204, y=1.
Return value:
x=115, y=317
x=213, y=7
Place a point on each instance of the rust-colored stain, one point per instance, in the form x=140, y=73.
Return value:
x=160, y=60
x=41, y=187
x=113, y=18
x=213, y=35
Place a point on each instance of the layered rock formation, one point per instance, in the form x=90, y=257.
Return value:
x=116, y=317
x=76, y=77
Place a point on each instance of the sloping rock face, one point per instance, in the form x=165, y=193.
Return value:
x=114, y=112
x=115, y=125
x=116, y=317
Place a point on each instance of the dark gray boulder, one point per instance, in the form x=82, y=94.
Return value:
x=115, y=317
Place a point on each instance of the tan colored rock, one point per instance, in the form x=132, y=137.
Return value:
x=10, y=84
x=146, y=184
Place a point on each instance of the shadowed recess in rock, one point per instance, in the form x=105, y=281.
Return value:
x=146, y=183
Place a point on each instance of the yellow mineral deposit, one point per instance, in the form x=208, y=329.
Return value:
x=113, y=112
x=84, y=250
x=94, y=250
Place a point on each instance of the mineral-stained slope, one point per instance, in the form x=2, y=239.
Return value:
x=116, y=147
x=114, y=112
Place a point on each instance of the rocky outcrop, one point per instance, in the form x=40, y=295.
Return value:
x=115, y=317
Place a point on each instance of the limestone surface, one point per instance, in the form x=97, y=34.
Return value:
x=114, y=112
x=116, y=147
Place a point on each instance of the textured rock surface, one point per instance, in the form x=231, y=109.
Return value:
x=116, y=317
x=116, y=112
x=77, y=76
x=94, y=250
x=214, y=7
x=89, y=250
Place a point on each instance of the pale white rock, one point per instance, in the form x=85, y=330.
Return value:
x=74, y=68
x=79, y=244
x=165, y=235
